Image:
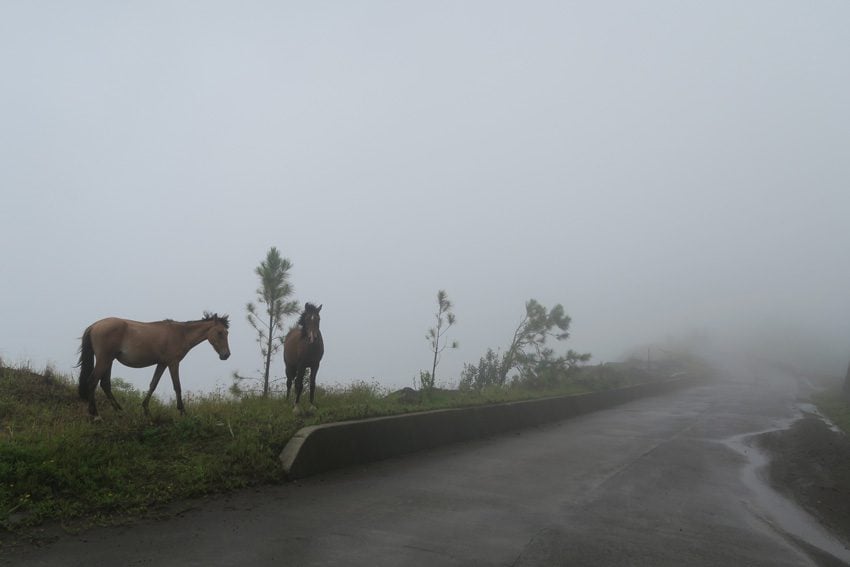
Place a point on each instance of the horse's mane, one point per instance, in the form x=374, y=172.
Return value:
x=224, y=319
x=308, y=308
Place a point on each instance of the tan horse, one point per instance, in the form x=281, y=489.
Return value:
x=138, y=345
x=302, y=349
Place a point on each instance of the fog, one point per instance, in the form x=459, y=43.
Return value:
x=670, y=172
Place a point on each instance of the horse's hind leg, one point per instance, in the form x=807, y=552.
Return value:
x=101, y=367
x=106, y=384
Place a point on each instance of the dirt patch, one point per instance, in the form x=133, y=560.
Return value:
x=810, y=464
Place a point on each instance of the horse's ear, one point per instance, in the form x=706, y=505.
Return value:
x=319, y=310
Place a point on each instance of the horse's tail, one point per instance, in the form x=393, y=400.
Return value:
x=86, y=363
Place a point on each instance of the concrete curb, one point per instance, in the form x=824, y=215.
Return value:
x=320, y=448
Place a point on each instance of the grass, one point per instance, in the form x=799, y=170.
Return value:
x=55, y=464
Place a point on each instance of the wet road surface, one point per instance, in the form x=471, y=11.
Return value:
x=666, y=480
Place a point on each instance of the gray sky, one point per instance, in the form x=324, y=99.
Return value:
x=656, y=167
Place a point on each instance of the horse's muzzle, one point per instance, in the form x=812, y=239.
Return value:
x=224, y=356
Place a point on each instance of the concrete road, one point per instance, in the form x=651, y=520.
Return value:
x=660, y=481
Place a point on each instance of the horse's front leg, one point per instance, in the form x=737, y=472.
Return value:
x=313, y=371
x=174, y=370
x=290, y=376
x=299, y=387
x=157, y=374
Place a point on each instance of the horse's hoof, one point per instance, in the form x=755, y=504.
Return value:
x=296, y=410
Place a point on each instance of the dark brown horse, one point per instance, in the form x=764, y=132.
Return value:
x=134, y=344
x=302, y=349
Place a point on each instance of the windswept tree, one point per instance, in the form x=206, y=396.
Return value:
x=266, y=316
x=528, y=353
x=445, y=318
x=530, y=336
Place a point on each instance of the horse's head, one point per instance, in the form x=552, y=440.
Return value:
x=309, y=322
x=217, y=335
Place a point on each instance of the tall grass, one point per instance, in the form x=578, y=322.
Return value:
x=55, y=464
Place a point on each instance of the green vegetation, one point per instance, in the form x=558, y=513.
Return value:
x=55, y=464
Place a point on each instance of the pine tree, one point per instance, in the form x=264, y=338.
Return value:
x=272, y=296
x=445, y=319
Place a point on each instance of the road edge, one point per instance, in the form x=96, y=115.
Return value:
x=319, y=448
